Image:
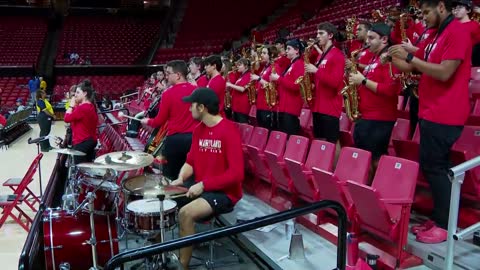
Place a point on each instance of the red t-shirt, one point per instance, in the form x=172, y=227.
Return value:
x=381, y=105
x=329, y=83
x=282, y=63
x=364, y=57
x=83, y=122
x=218, y=85
x=446, y=102
x=3, y=121
x=175, y=111
x=290, y=100
x=240, y=103
x=217, y=158
x=354, y=45
x=473, y=29
x=202, y=81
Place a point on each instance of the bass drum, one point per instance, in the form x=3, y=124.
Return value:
x=66, y=240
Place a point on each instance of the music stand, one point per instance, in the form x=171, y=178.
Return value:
x=37, y=142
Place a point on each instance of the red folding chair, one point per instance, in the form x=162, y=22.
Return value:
x=10, y=202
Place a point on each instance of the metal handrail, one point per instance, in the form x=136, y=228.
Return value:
x=457, y=175
x=155, y=249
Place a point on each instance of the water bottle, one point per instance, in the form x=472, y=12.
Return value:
x=352, y=249
x=372, y=261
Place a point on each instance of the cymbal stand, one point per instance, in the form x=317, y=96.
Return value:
x=70, y=185
x=161, y=198
x=93, y=239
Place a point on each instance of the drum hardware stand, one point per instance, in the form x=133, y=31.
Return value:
x=161, y=198
x=37, y=142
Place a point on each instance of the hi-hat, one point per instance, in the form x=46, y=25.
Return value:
x=67, y=151
x=115, y=167
x=136, y=159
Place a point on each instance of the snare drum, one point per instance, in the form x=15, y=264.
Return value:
x=66, y=239
x=143, y=216
x=105, y=195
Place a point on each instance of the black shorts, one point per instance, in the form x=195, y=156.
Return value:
x=326, y=127
x=373, y=136
x=218, y=200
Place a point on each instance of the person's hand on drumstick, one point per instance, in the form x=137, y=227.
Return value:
x=195, y=190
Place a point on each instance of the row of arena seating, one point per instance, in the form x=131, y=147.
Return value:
x=115, y=41
x=294, y=171
x=112, y=86
x=21, y=39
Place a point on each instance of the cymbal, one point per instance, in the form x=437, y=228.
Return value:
x=67, y=151
x=115, y=167
x=149, y=186
x=131, y=158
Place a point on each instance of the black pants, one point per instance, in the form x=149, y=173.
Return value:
x=175, y=149
x=435, y=143
x=326, y=127
x=240, y=117
x=87, y=147
x=373, y=136
x=413, y=108
x=288, y=123
x=229, y=114
x=266, y=119
x=45, y=123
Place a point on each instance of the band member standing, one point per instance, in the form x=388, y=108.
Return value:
x=444, y=105
x=290, y=101
x=365, y=55
x=213, y=66
x=180, y=123
x=283, y=62
x=462, y=9
x=83, y=118
x=378, y=94
x=45, y=116
x=266, y=114
x=240, y=103
x=197, y=73
x=214, y=169
x=329, y=72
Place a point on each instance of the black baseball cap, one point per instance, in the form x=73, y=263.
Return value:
x=204, y=96
x=381, y=29
x=467, y=3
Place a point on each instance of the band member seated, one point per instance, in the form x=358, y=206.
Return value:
x=213, y=66
x=83, y=118
x=290, y=101
x=444, y=107
x=214, y=169
x=378, y=94
x=174, y=111
x=328, y=76
x=240, y=102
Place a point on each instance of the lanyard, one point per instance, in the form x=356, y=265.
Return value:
x=441, y=28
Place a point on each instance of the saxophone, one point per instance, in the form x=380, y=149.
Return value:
x=304, y=81
x=350, y=91
x=227, y=99
x=251, y=86
x=271, y=94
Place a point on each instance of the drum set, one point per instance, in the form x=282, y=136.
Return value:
x=101, y=207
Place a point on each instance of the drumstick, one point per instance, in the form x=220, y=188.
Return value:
x=121, y=114
x=177, y=196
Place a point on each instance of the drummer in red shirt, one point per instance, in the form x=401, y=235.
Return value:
x=83, y=118
x=214, y=169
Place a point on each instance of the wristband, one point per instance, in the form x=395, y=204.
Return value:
x=364, y=81
x=409, y=58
